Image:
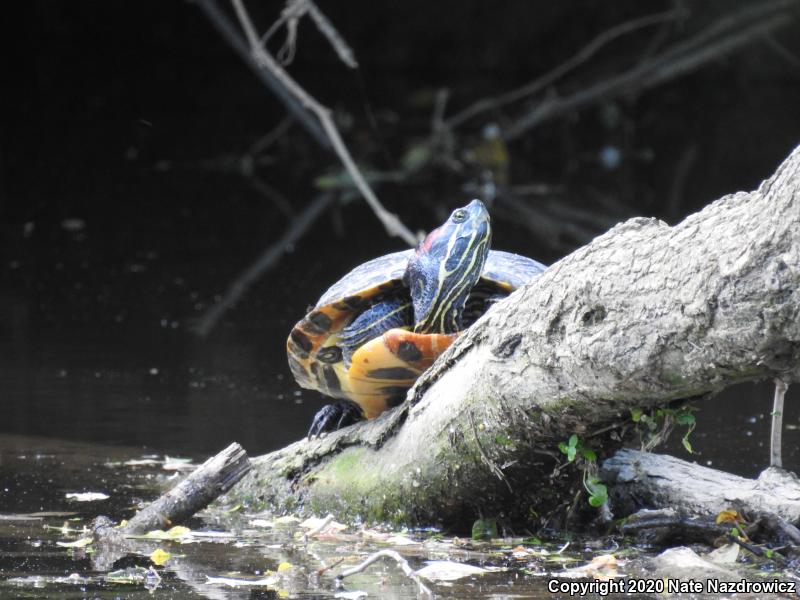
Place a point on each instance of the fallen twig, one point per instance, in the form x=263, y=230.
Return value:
x=757, y=550
x=267, y=259
x=390, y=221
x=201, y=487
x=401, y=562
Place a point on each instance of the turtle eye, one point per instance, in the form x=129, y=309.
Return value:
x=460, y=215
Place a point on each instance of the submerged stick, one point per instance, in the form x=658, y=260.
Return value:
x=204, y=485
x=401, y=562
x=267, y=259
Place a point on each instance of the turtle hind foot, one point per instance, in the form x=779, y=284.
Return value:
x=332, y=417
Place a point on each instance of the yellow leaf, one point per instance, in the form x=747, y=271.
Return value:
x=159, y=556
x=729, y=516
x=285, y=566
x=178, y=531
x=81, y=543
x=171, y=534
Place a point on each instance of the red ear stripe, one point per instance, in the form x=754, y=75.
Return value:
x=429, y=239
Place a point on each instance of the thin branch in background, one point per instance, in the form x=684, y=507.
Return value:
x=439, y=107
x=291, y=15
x=265, y=141
x=682, y=58
x=334, y=38
x=546, y=227
x=401, y=562
x=268, y=258
x=776, y=436
x=278, y=200
x=782, y=51
x=293, y=12
x=229, y=33
x=390, y=221
x=575, y=61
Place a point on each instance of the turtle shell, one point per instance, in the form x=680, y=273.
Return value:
x=316, y=360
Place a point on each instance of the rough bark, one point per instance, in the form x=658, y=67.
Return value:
x=642, y=316
x=659, y=481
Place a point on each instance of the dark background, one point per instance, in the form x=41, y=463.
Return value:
x=125, y=208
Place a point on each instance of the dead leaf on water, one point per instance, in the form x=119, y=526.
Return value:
x=354, y=595
x=724, y=555
x=447, y=570
x=601, y=567
x=81, y=543
x=261, y=523
x=172, y=463
x=232, y=582
x=87, y=496
x=173, y=533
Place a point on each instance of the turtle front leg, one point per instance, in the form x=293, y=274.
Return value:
x=332, y=417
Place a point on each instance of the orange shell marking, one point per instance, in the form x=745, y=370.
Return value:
x=384, y=368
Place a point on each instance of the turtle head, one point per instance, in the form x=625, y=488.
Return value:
x=445, y=268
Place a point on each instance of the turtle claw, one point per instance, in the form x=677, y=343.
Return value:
x=332, y=417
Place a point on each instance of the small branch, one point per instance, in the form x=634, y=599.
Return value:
x=391, y=223
x=265, y=261
x=498, y=472
x=401, y=562
x=228, y=32
x=575, y=61
x=278, y=200
x=782, y=51
x=437, y=118
x=777, y=424
x=335, y=39
x=265, y=141
x=757, y=550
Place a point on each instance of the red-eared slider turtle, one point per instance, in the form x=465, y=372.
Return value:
x=378, y=328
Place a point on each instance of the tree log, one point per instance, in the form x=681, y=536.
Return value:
x=642, y=316
x=659, y=481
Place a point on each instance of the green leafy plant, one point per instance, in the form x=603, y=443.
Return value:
x=654, y=428
x=598, y=492
x=484, y=529
x=574, y=448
